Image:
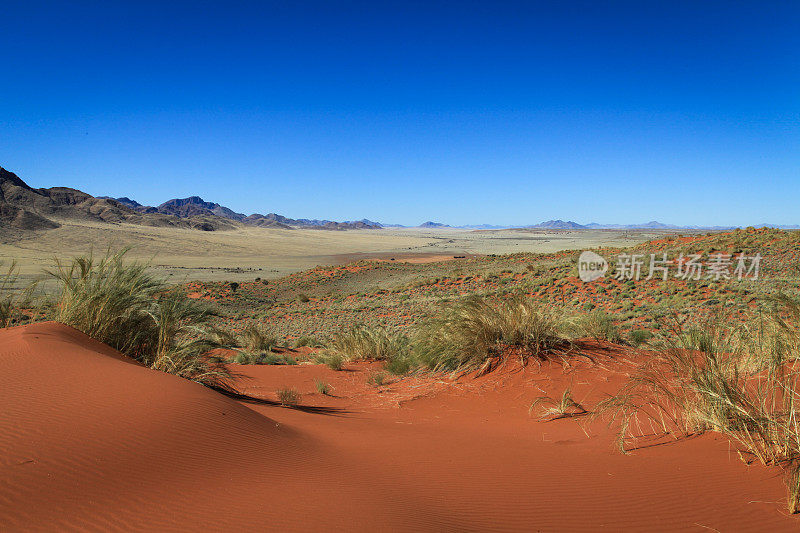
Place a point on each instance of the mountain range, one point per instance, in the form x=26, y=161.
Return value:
x=24, y=208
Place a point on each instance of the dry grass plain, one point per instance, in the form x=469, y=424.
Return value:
x=243, y=253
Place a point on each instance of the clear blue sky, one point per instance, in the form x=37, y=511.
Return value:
x=462, y=112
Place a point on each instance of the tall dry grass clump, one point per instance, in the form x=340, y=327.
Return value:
x=121, y=304
x=740, y=380
x=469, y=332
x=12, y=299
x=598, y=325
x=362, y=343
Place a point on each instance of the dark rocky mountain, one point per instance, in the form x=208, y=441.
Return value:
x=195, y=206
x=23, y=208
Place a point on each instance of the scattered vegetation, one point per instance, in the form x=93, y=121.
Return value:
x=740, y=380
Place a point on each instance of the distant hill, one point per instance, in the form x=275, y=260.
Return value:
x=558, y=224
x=430, y=224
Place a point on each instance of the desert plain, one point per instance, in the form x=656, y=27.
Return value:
x=397, y=380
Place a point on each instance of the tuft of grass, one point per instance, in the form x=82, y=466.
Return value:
x=600, y=326
x=307, y=340
x=322, y=387
x=378, y=379
x=638, y=337
x=553, y=409
x=288, y=397
x=471, y=331
x=11, y=299
x=254, y=339
x=263, y=358
x=121, y=304
x=368, y=344
x=333, y=361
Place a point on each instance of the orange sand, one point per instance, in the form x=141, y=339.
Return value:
x=91, y=440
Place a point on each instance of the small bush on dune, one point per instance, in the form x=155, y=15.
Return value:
x=322, y=387
x=638, y=337
x=599, y=325
x=254, y=339
x=333, y=361
x=305, y=340
x=121, y=304
x=368, y=344
x=288, y=397
x=471, y=331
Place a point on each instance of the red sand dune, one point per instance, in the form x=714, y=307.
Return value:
x=92, y=440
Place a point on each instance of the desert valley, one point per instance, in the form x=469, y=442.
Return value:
x=183, y=377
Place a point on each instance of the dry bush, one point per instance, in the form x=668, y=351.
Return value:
x=288, y=397
x=368, y=344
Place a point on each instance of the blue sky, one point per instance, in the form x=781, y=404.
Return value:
x=462, y=112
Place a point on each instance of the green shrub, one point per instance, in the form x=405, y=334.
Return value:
x=600, y=326
x=333, y=361
x=306, y=340
x=254, y=339
x=263, y=358
x=638, y=337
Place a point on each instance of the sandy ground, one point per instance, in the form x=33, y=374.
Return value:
x=250, y=252
x=92, y=440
